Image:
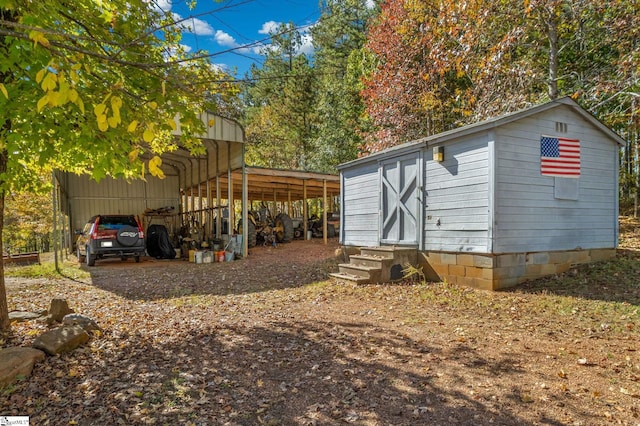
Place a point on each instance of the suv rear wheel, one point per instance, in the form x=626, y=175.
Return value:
x=90, y=258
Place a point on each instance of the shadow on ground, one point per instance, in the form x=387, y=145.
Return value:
x=289, y=265
x=614, y=280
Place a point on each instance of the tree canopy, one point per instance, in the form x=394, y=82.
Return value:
x=95, y=87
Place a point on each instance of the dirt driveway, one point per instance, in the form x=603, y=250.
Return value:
x=269, y=340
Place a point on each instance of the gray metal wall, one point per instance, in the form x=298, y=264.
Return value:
x=530, y=216
x=457, y=197
x=86, y=198
x=360, y=219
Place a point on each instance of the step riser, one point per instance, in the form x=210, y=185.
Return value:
x=377, y=264
x=369, y=262
x=359, y=272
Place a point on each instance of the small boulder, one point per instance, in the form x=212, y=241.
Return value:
x=83, y=321
x=61, y=339
x=59, y=308
x=21, y=316
x=16, y=362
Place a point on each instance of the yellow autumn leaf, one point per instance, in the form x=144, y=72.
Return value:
x=172, y=123
x=40, y=76
x=73, y=372
x=132, y=126
x=211, y=122
x=116, y=102
x=133, y=155
x=154, y=167
x=42, y=102
x=103, y=125
x=38, y=38
x=113, y=122
x=4, y=91
x=148, y=135
x=49, y=82
x=99, y=109
x=153, y=105
x=164, y=88
x=73, y=95
x=80, y=105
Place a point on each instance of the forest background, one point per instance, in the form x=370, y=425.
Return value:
x=406, y=69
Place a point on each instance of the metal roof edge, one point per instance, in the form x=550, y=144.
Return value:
x=488, y=124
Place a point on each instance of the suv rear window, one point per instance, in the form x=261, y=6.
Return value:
x=116, y=222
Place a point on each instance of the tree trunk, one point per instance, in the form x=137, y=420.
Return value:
x=4, y=307
x=552, y=24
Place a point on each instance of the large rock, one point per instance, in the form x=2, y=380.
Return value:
x=21, y=316
x=59, y=308
x=61, y=339
x=83, y=321
x=15, y=362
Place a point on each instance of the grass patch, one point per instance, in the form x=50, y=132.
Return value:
x=47, y=269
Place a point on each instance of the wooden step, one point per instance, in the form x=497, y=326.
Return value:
x=372, y=273
x=351, y=278
x=368, y=260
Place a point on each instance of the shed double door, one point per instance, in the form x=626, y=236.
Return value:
x=400, y=200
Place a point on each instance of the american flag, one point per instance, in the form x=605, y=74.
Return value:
x=559, y=156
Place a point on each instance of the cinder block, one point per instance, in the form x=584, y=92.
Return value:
x=533, y=271
x=504, y=283
x=513, y=259
x=473, y=272
x=465, y=259
x=548, y=269
x=483, y=284
x=448, y=258
x=563, y=267
x=483, y=261
x=509, y=272
x=558, y=257
x=540, y=258
x=457, y=270
x=602, y=254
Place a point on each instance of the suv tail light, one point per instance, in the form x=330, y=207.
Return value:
x=140, y=230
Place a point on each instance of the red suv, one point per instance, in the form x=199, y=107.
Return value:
x=109, y=236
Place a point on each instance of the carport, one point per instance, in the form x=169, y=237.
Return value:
x=197, y=191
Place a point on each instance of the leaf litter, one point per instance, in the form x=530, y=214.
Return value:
x=269, y=340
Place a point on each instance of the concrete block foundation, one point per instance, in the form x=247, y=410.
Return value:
x=497, y=271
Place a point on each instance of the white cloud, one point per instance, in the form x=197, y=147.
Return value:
x=307, y=43
x=370, y=4
x=224, y=39
x=198, y=26
x=269, y=27
x=164, y=5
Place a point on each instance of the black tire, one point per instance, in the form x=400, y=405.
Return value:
x=128, y=236
x=251, y=232
x=137, y=259
x=90, y=258
x=283, y=228
x=331, y=230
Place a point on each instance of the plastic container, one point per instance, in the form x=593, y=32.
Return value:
x=229, y=256
x=198, y=256
x=178, y=253
x=192, y=256
x=207, y=257
x=220, y=256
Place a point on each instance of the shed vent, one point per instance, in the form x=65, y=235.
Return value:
x=561, y=127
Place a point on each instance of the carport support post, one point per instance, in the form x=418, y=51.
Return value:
x=324, y=210
x=230, y=184
x=305, y=209
x=245, y=199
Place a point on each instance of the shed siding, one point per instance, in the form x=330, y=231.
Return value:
x=361, y=204
x=457, y=196
x=528, y=216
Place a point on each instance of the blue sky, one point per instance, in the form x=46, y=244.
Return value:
x=236, y=30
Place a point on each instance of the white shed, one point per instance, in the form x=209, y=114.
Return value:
x=492, y=204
